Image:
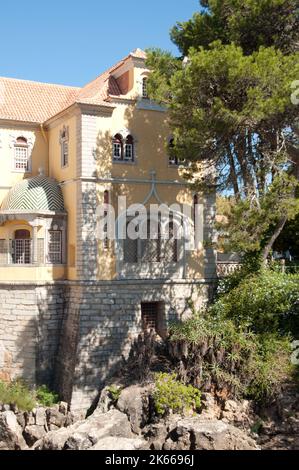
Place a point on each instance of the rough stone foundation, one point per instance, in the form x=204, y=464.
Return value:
x=72, y=335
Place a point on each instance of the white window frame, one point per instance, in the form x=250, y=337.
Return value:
x=64, y=147
x=26, y=160
x=117, y=145
x=131, y=152
x=57, y=251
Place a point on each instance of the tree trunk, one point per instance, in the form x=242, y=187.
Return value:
x=279, y=227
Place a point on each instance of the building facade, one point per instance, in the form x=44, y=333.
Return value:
x=71, y=302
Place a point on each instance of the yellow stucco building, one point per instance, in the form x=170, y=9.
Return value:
x=71, y=302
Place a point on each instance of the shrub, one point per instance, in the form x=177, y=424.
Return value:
x=114, y=392
x=269, y=366
x=18, y=394
x=45, y=397
x=264, y=302
x=170, y=395
x=215, y=354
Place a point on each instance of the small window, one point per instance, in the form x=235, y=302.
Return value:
x=153, y=317
x=55, y=247
x=106, y=202
x=129, y=149
x=144, y=89
x=117, y=147
x=173, y=160
x=170, y=244
x=21, y=155
x=64, y=144
x=130, y=248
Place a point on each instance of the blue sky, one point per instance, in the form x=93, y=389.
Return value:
x=71, y=42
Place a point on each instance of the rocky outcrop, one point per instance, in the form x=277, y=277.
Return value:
x=197, y=434
x=278, y=424
x=134, y=402
x=99, y=430
x=18, y=429
x=11, y=437
x=129, y=423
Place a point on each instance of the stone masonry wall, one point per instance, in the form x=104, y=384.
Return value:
x=102, y=321
x=30, y=321
x=72, y=335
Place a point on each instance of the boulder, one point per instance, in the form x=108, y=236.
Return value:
x=33, y=433
x=105, y=401
x=238, y=413
x=85, y=434
x=134, y=401
x=40, y=416
x=10, y=432
x=210, y=408
x=198, y=434
x=63, y=408
x=119, y=443
x=55, y=419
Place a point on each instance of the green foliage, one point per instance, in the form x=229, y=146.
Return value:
x=46, y=397
x=289, y=238
x=264, y=302
x=249, y=23
x=230, y=106
x=170, y=395
x=114, y=392
x=251, y=264
x=269, y=366
x=249, y=227
x=230, y=360
x=257, y=427
x=18, y=394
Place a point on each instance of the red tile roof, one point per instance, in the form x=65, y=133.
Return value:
x=28, y=101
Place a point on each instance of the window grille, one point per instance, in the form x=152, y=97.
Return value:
x=21, y=251
x=117, y=147
x=3, y=251
x=144, y=89
x=55, y=247
x=129, y=149
x=149, y=315
x=21, y=155
x=170, y=251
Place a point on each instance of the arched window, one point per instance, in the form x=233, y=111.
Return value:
x=144, y=89
x=129, y=149
x=21, y=155
x=21, y=247
x=117, y=147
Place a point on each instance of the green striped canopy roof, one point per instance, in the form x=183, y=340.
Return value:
x=34, y=194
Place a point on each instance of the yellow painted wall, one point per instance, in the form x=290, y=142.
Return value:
x=9, y=177
x=66, y=174
x=151, y=133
